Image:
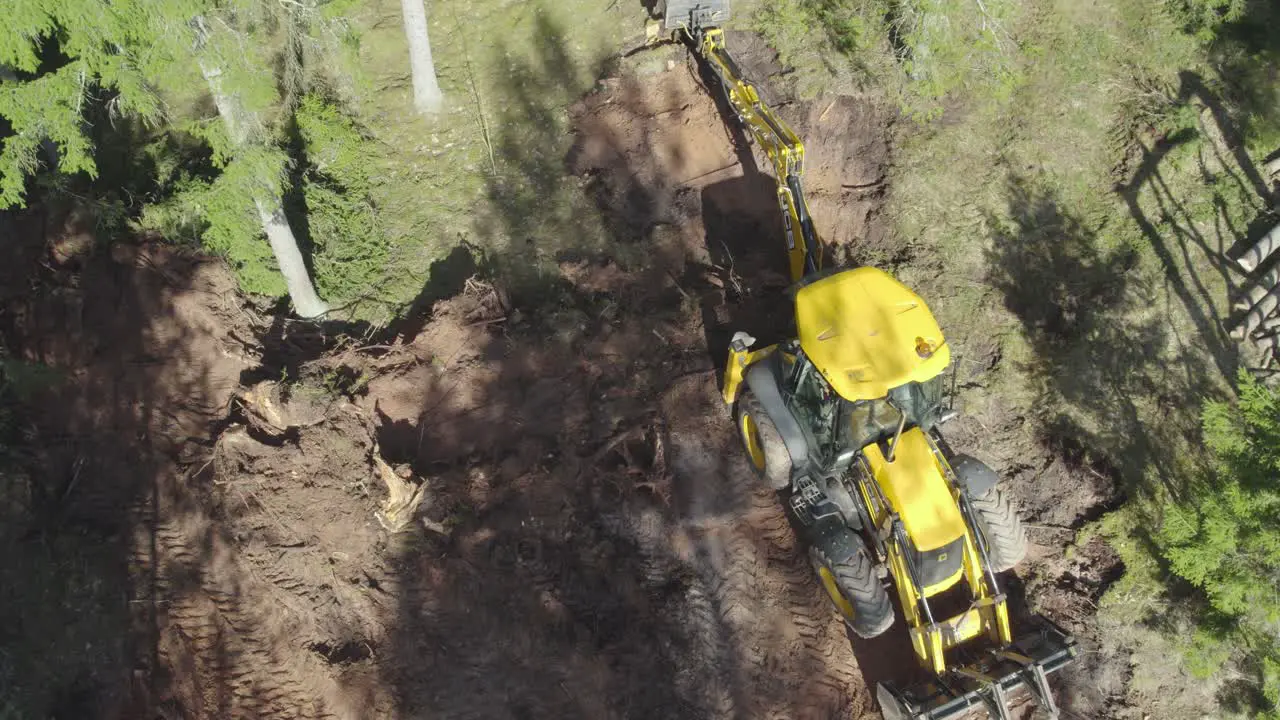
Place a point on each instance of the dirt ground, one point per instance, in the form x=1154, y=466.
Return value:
x=588, y=542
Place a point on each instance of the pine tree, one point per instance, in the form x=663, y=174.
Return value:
x=42, y=95
x=246, y=134
x=1224, y=536
x=131, y=53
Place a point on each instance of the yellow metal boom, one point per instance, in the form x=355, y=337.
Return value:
x=780, y=144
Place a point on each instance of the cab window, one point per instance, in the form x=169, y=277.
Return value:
x=869, y=421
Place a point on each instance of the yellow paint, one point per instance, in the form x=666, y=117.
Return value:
x=778, y=140
x=868, y=333
x=735, y=369
x=915, y=487
x=837, y=596
x=751, y=439
x=962, y=628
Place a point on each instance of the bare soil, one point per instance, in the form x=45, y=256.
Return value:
x=590, y=543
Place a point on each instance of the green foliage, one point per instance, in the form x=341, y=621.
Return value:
x=1225, y=537
x=1204, y=18
x=223, y=215
x=853, y=26
x=923, y=50
x=46, y=108
x=65, y=51
x=952, y=47
x=334, y=145
x=351, y=250
x=1207, y=652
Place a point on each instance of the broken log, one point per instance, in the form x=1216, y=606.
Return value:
x=1254, y=256
x=1258, y=312
x=1258, y=290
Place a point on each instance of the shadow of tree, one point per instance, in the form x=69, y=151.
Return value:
x=1235, y=185
x=1103, y=360
x=137, y=382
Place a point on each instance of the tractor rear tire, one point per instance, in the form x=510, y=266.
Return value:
x=766, y=450
x=862, y=601
x=1001, y=526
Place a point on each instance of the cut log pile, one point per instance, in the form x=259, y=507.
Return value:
x=1258, y=317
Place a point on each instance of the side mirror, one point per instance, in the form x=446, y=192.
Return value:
x=741, y=341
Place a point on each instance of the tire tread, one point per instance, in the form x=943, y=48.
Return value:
x=872, y=609
x=1005, y=533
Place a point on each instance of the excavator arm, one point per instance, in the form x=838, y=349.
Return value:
x=778, y=141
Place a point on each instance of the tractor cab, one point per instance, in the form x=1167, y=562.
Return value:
x=869, y=385
x=869, y=363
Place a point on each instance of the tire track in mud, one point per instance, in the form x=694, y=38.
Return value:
x=765, y=624
x=814, y=651
x=225, y=661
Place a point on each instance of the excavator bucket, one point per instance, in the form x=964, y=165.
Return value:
x=694, y=14
x=989, y=685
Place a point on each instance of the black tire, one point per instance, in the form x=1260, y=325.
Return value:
x=1001, y=526
x=772, y=463
x=855, y=578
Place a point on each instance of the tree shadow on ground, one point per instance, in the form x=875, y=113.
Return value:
x=547, y=599
x=558, y=591
x=1099, y=357
x=100, y=478
x=1179, y=238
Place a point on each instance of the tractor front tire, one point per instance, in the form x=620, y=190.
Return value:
x=1001, y=526
x=766, y=450
x=855, y=589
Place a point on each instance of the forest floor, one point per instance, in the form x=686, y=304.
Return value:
x=588, y=544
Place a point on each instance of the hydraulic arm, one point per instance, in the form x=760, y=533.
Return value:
x=778, y=141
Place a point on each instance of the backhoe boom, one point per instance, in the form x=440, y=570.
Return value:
x=780, y=144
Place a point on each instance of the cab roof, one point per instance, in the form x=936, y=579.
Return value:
x=867, y=333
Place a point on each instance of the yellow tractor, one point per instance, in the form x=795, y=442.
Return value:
x=844, y=422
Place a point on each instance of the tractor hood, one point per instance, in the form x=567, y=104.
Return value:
x=868, y=333
x=916, y=489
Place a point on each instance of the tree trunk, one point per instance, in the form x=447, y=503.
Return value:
x=1262, y=250
x=1258, y=290
x=285, y=247
x=427, y=97
x=1260, y=311
x=283, y=243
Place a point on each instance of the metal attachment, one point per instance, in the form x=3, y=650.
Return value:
x=696, y=14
